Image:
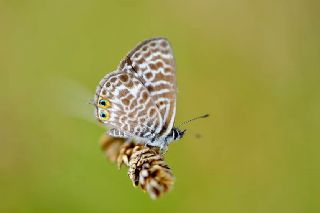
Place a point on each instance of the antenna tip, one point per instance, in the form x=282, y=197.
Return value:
x=205, y=115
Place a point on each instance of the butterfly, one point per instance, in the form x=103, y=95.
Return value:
x=138, y=100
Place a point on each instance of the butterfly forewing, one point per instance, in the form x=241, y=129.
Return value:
x=128, y=105
x=152, y=63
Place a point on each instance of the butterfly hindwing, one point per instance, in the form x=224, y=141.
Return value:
x=127, y=105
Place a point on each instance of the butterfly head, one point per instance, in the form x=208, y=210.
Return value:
x=177, y=134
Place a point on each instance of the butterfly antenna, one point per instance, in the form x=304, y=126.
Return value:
x=193, y=119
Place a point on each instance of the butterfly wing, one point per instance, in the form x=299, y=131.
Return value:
x=152, y=62
x=125, y=104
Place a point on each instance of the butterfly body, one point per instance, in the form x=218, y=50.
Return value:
x=138, y=100
x=163, y=142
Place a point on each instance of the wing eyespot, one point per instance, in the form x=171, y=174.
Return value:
x=104, y=115
x=104, y=103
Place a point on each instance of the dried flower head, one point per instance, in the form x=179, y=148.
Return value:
x=111, y=146
x=147, y=168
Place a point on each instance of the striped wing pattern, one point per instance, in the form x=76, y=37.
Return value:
x=130, y=109
x=152, y=62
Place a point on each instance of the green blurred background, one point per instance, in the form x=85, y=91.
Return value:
x=253, y=65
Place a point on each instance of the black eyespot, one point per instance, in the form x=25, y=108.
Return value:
x=102, y=102
x=103, y=115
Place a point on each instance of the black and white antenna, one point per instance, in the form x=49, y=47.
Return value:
x=193, y=119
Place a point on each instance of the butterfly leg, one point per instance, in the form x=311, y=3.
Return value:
x=117, y=133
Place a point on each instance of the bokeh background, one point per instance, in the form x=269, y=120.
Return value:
x=253, y=65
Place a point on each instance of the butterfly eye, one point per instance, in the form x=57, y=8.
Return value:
x=104, y=115
x=103, y=103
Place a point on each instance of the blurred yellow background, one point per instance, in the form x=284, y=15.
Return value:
x=253, y=65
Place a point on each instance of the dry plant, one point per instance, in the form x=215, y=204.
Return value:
x=147, y=168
